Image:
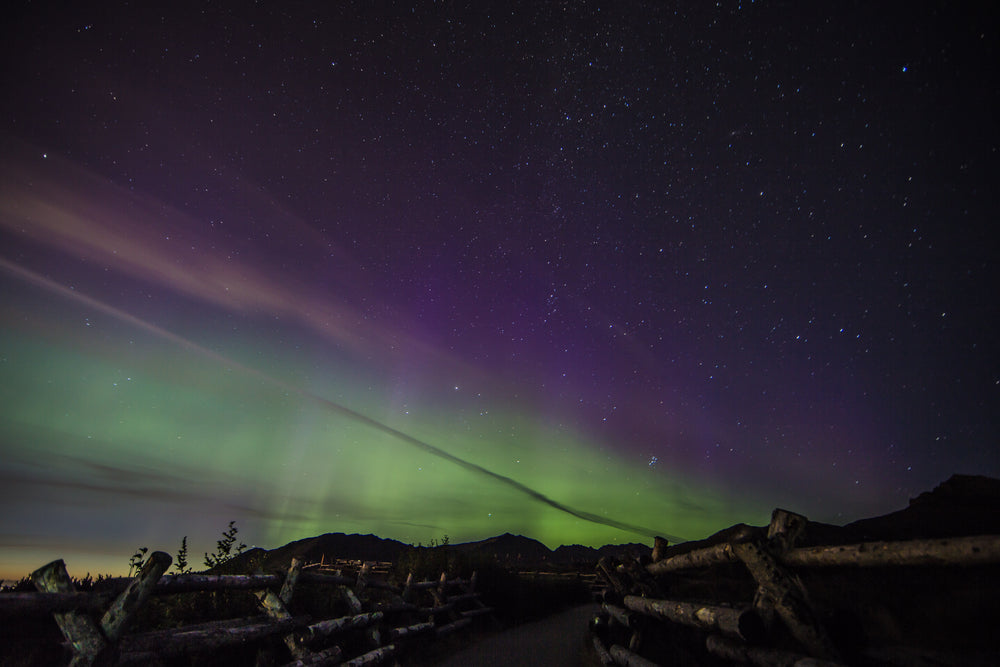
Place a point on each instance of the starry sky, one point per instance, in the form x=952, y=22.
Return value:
x=583, y=271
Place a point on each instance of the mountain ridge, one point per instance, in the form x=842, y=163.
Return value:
x=961, y=505
x=507, y=549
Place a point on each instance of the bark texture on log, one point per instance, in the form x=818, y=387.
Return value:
x=612, y=577
x=977, y=550
x=206, y=636
x=410, y=630
x=80, y=630
x=188, y=583
x=126, y=605
x=42, y=604
x=274, y=605
x=660, y=545
x=622, y=616
x=352, y=600
x=323, y=629
x=743, y=622
x=288, y=587
x=362, y=582
x=788, y=598
x=627, y=658
x=372, y=657
x=720, y=553
x=785, y=530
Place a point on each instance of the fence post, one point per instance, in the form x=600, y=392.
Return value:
x=408, y=594
x=79, y=629
x=362, y=581
x=288, y=587
x=274, y=605
x=786, y=594
x=660, y=545
x=126, y=605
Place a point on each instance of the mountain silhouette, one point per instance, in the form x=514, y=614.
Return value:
x=515, y=551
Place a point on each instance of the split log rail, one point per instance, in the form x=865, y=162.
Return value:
x=383, y=620
x=781, y=626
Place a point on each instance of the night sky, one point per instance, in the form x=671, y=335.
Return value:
x=586, y=272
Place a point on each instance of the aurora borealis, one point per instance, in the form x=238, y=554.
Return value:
x=578, y=271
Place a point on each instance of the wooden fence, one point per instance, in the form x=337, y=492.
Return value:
x=759, y=599
x=381, y=620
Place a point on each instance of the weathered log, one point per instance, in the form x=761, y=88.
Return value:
x=627, y=658
x=352, y=600
x=602, y=653
x=205, y=636
x=623, y=616
x=372, y=657
x=786, y=594
x=79, y=629
x=323, y=629
x=408, y=593
x=410, y=630
x=643, y=583
x=785, y=529
x=274, y=605
x=438, y=593
x=731, y=649
x=742, y=622
x=612, y=577
x=464, y=597
x=288, y=587
x=452, y=627
x=43, y=604
x=714, y=555
x=331, y=656
x=976, y=550
x=126, y=605
x=660, y=545
x=187, y=583
x=362, y=581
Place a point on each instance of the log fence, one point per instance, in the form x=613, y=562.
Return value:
x=381, y=620
x=758, y=598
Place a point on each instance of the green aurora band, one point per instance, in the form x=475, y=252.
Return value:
x=151, y=389
x=126, y=435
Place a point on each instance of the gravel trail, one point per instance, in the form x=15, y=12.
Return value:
x=556, y=641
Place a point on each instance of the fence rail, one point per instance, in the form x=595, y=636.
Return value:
x=759, y=599
x=382, y=620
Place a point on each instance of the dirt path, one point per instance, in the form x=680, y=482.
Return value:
x=556, y=641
